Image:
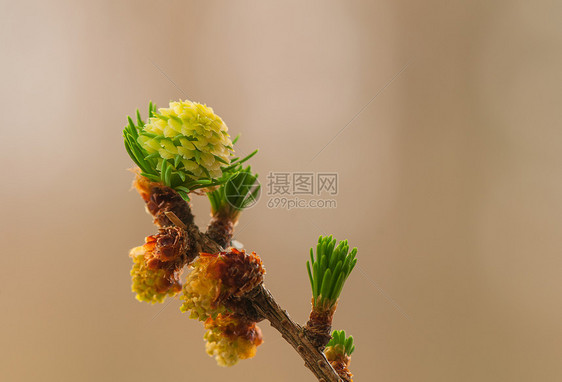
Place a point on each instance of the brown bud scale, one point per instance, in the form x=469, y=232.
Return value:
x=341, y=366
x=220, y=230
x=160, y=199
x=168, y=250
x=319, y=325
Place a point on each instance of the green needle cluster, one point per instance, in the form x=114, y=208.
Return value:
x=340, y=342
x=329, y=270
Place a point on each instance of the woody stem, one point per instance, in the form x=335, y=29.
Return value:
x=293, y=333
x=168, y=208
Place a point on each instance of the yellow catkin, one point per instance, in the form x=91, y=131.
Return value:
x=150, y=285
x=230, y=339
x=200, y=291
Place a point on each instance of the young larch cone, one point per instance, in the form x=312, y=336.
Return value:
x=216, y=278
x=240, y=272
x=231, y=338
x=190, y=133
x=158, y=263
x=202, y=290
x=213, y=292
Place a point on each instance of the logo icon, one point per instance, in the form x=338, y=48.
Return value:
x=242, y=190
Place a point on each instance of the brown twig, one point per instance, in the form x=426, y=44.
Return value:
x=314, y=359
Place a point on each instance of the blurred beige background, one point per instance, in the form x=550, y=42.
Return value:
x=450, y=180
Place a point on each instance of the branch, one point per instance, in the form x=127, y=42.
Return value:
x=169, y=209
x=259, y=304
x=293, y=333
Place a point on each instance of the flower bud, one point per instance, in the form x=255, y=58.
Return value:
x=217, y=277
x=157, y=265
x=230, y=339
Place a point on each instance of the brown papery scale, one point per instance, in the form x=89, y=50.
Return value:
x=319, y=325
x=341, y=366
x=160, y=199
x=220, y=230
x=238, y=271
x=167, y=250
